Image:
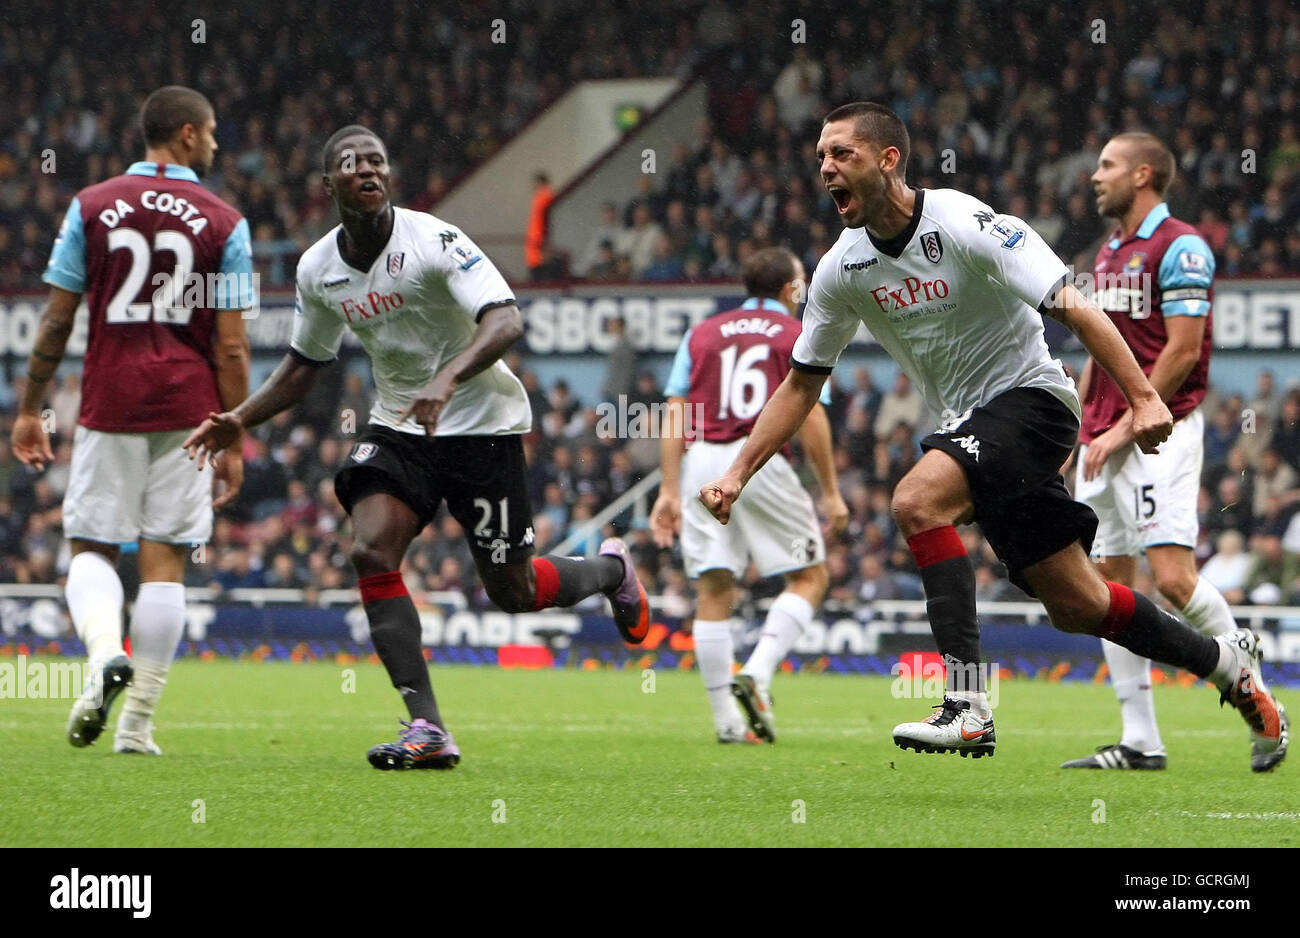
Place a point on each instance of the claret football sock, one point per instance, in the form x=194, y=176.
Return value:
x=786, y=619
x=566, y=581
x=949, y=581
x=94, y=593
x=1135, y=622
x=395, y=631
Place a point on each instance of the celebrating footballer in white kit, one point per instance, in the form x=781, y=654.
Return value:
x=435, y=317
x=952, y=291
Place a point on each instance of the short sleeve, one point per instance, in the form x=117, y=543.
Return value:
x=474, y=281
x=1186, y=272
x=828, y=326
x=67, y=267
x=679, y=379
x=1012, y=253
x=317, y=330
x=237, y=268
x=826, y=394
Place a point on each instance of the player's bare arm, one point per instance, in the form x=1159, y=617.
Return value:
x=288, y=385
x=499, y=328
x=232, y=359
x=1151, y=420
x=815, y=435
x=666, y=515
x=30, y=442
x=782, y=416
x=1181, y=351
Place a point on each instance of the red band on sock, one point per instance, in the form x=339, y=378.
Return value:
x=382, y=586
x=936, y=545
x=1120, y=612
x=548, y=583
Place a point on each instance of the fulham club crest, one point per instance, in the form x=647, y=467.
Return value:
x=395, y=262
x=364, y=451
x=930, y=244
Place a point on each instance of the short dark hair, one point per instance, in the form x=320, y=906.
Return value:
x=1151, y=150
x=878, y=125
x=766, y=271
x=327, y=154
x=169, y=109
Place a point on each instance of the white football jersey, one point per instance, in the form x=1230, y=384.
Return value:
x=953, y=298
x=413, y=311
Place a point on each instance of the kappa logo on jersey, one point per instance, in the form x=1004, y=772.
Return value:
x=363, y=451
x=932, y=246
x=467, y=258
x=333, y=284
x=861, y=265
x=446, y=237
x=984, y=218
x=969, y=444
x=395, y=260
x=914, y=290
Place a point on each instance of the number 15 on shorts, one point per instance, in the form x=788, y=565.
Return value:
x=1144, y=503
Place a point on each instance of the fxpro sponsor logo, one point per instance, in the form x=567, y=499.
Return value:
x=80, y=890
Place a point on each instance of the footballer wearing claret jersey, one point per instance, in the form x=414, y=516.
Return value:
x=725, y=370
x=1155, y=281
x=952, y=290
x=435, y=317
x=159, y=357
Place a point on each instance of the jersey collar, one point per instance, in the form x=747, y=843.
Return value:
x=894, y=246
x=169, y=170
x=765, y=303
x=1148, y=226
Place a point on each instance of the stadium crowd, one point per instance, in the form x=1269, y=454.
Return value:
x=1008, y=101
x=1004, y=100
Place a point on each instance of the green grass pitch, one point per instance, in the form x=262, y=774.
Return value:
x=273, y=754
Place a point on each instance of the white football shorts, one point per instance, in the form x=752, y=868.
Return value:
x=1144, y=500
x=127, y=486
x=773, y=523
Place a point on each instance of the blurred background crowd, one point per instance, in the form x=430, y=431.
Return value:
x=1010, y=101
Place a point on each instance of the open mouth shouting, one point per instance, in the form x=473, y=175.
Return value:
x=842, y=196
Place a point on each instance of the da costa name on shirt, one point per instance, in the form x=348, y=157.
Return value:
x=154, y=201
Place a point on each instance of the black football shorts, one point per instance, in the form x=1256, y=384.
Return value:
x=482, y=478
x=1012, y=449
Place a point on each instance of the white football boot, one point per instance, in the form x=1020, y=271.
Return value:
x=951, y=728
x=1246, y=691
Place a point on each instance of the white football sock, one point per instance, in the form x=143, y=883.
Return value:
x=1130, y=676
x=786, y=619
x=1208, y=611
x=714, y=654
x=157, y=622
x=979, y=701
x=94, y=594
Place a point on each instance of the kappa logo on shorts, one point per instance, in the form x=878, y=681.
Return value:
x=363, y=451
